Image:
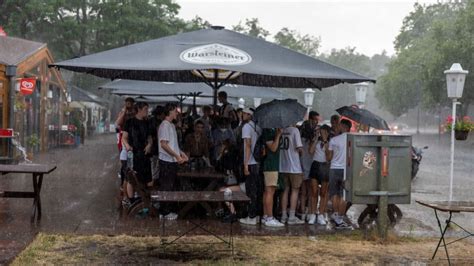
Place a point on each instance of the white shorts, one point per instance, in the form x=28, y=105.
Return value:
x=123, y=154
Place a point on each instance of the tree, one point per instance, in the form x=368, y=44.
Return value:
x=306, y=44
x=252, y=28
x=79, y=27
x=432, y=38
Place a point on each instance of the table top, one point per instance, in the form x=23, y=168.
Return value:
x=27, y=168
x=198, y=196
x=449, y=206
x=202, y=173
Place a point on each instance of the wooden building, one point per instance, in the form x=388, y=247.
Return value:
x=36, y=116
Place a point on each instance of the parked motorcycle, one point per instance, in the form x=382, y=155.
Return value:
x=416, y=156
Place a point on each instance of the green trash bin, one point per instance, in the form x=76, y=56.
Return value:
x=378, y=165
x=378, y=173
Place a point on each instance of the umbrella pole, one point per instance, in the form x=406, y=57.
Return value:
x=181, y=99
x=215, y=87
x=194, y=104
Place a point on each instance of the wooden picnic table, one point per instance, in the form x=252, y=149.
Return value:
x=451, y=207
x=209, y=174
x=37, y=171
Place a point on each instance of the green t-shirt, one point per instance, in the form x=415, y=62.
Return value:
x=272, y=159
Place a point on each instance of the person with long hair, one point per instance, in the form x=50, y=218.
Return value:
x=319, y=177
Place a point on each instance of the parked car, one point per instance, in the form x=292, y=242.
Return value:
x=397, y=127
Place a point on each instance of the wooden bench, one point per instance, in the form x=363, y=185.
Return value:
x=37, y=171
x=208, y=174
x=198, y=196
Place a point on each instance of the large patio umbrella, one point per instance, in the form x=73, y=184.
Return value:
x=199, y=101
x=150, y=88
x=215, y=56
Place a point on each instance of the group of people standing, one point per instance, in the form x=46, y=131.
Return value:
x=153, y=146
x=305, y=165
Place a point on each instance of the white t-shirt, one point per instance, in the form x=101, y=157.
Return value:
x=319, y=153
x=338, y=145
x=250, y=131
x=167, y=131
x=289, y=157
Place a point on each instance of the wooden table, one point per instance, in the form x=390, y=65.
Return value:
x=37, y=171
x=198, y=196
x=205, y=174
x=451, y=207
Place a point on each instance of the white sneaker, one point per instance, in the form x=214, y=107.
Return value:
x=311, y=218
x=284, y=219
x=294, y=220
x=321, y=219
x=171, y=216
x=334, y=216
x=272, y=222
x=248, y=220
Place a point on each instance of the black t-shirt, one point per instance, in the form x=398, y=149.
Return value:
x=138, y=133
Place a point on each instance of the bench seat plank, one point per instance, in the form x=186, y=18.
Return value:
x=197, y=196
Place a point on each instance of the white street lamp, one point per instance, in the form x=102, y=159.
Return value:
x=68, y=98
x=361, y=93
x=308, y=98
x=241, y=102
x=257, y=102
x=49, y=94
x=455, y=78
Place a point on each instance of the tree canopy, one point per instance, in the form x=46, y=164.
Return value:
x=431, y=39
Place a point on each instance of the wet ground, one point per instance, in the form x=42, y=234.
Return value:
x=81, y=197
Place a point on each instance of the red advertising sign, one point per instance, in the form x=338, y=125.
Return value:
x=6, y=132
x=2, y=32
x=27, y=85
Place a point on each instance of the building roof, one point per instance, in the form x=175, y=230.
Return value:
x=81, y=95
x=13, y=50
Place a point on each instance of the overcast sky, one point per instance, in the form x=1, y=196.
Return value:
x=370, y=26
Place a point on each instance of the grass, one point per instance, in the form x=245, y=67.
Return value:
x=348, y=248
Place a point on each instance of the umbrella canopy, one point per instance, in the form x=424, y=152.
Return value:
x=363, y=116
x=279, y=113
x=215, y=56
x=153, y=88
x=185, y=102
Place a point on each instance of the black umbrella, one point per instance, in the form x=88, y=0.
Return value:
x=279, y=113
x=363, y=116
x=215, y=56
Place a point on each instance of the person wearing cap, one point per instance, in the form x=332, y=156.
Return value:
x=250, y=134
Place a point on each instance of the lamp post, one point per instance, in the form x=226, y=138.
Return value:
x=361, y=93
x=308, y=99
x=241, y=102
x=455, y=78
x=257, y=102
